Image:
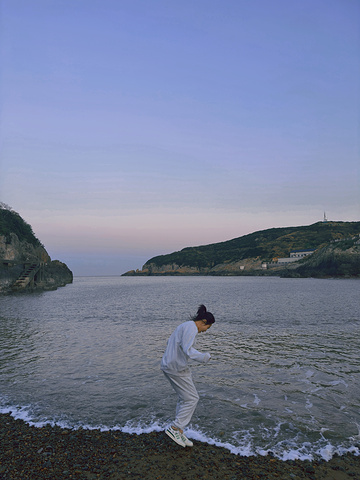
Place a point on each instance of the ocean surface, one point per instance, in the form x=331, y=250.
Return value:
x=284, y=374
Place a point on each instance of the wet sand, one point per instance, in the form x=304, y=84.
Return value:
x=54, y=453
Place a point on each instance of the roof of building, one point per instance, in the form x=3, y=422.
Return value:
x=304, y=250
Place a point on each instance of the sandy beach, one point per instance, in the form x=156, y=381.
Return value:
x=49, y=452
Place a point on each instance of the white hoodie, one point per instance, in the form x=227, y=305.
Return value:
x=180, y=348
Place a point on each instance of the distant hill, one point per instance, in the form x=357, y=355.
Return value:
x=250, y=251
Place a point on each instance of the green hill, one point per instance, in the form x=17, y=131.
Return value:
x=265, y=245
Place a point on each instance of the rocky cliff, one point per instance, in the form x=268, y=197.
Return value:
x=25, y=264
x=16, y=256
x=248, y=266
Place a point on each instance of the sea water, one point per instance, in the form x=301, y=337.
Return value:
x=284, y=374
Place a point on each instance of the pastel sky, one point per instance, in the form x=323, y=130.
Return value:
x=133, y=128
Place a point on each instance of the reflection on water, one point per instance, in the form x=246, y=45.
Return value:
x=284, y=373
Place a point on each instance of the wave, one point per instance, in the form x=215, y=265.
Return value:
x=243, y=442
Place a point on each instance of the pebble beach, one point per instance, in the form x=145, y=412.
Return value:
x=28, y=452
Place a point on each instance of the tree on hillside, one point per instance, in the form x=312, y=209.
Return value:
x=11, y=222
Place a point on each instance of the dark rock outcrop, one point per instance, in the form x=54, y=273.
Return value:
x=25, y=264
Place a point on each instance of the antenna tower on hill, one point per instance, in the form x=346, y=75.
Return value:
x=325, y=219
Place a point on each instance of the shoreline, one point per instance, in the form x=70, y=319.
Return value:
x=29, y=452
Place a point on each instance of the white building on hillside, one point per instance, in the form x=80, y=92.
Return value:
x=296, y=255
x=301, y=253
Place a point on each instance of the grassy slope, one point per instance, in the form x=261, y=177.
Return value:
x=265, y=245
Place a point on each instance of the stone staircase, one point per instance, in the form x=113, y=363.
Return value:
x=27, y=276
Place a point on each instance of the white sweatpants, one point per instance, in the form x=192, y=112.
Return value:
x=188, y=398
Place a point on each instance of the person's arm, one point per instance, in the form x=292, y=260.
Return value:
x=187, y=347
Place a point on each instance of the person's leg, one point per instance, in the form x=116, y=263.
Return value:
x=187, y=399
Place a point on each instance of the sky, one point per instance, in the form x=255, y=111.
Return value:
x=135, y=128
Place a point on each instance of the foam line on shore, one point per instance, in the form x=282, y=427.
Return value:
x=245, y=449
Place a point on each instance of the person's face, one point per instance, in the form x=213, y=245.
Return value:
x=203, y=326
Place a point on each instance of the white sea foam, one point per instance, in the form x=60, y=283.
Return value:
x=242, y=444
x=139, y=428
x=326, y=452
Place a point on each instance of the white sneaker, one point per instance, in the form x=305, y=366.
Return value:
x=175, y=435
x=187, y=442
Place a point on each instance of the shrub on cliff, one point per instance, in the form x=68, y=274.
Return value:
x=11, y=222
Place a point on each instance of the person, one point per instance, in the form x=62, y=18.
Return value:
x=174, y=364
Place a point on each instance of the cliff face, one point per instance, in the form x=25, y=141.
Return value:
x=248, y=266
x=17, y=255
x=11, y=248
